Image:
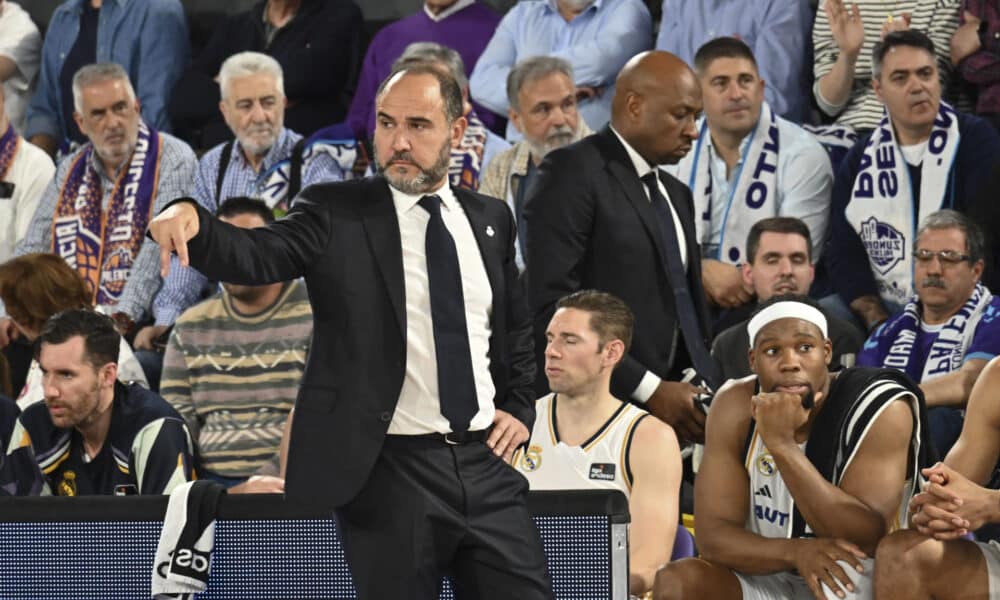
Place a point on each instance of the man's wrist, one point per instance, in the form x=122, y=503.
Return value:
x=781, y=445
x=790, y=550
x=646, y=388
x=994, y=514
x=850, y=56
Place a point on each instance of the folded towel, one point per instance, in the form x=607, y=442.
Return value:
x=184, y=553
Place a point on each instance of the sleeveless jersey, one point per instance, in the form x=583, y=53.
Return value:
x=855, y=400
x=771, y=504
x=601, y=462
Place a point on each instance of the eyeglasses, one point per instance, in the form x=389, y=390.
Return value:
x=950, y=257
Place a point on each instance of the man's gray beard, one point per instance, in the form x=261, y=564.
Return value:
x=577, y=4
x=257, y=149
x=423, y=182
x=542, y=149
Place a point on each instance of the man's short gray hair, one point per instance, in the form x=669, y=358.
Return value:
x=533, y=69
x=430, y=52
x=88, y=75
x=245, y=64
x=975, y=242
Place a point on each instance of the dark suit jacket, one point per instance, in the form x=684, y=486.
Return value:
x=591, y=226
x=344, y=239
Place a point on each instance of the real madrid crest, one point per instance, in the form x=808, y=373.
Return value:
x=765, y=464
x=67, y=487
x=532, y=459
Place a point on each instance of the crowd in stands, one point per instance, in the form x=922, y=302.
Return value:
x=725, y=237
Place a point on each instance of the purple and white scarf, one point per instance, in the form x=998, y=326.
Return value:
x=102, y=246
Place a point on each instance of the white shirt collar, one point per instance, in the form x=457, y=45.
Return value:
x=404, y=202
x=638, y=162
x=444, y=14
x=554, y=6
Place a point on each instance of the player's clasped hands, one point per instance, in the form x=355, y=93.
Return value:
x=950, y=506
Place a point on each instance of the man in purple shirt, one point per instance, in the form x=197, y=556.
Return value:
x=463, y=25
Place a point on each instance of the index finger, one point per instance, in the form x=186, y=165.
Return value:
x=943, y=493
x=180, y=246
x=517, y=437
x=164, y=260
x=837, y=572
x=854, y=552
x=950, y=535
x=697, y=416
x=816, y=586
x=938, y=468
x=496, y=432
x=505, y=442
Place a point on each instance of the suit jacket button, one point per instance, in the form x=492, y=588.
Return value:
x=385, y=416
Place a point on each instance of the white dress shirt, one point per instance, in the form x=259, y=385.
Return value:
x=650, y=381
x=444, y=14
x=804, y=182
x=30, y=172
x=419, y=408
x=21, y=42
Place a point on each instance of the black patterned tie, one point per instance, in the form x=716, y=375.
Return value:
x=456, y=384
x=686, y=314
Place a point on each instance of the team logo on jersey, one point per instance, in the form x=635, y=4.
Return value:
x=765, y=464
x=602, y=471
x=532, y=459
x=884, y=243
x=67, y=487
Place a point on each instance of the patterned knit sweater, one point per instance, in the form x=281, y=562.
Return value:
x=234, y=377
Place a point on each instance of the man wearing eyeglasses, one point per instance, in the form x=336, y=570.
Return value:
x=923, y=156
x=949, y=330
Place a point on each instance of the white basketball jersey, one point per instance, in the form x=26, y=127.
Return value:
x=771, y=503
x=599, y=463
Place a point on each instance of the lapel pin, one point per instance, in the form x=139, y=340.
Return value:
x=489, y=230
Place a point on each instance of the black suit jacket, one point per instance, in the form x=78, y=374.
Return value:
x=591, y=226
x=344, y=239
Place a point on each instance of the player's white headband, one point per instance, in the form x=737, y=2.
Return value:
x=784, y=310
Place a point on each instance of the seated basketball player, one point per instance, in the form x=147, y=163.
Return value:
x=777, y=517
x=585, y=438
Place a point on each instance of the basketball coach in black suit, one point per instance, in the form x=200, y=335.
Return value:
x=418, y=384
x=602, y=215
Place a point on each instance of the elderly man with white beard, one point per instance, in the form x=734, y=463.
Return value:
x=257, y=164
x=543, y=109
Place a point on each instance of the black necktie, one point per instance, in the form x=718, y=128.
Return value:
x=522, y=227
x=686, y=314
x=456, y=384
